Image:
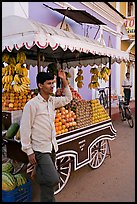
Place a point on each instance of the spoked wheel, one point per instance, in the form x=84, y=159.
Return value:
x=129, y=118
x=98, y=153
x=122, y=115
x=63, y=165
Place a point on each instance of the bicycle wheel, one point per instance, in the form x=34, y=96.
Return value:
x=129, y=117
x=122, y=113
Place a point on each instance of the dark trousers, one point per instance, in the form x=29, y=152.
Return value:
x=127, y=93
x=46, y=175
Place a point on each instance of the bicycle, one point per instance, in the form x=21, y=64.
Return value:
x=18, y=166
x=125, y=111
x=103, y=97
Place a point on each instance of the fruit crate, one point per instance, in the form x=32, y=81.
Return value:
x=22, y=193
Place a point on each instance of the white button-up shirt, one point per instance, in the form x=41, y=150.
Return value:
x=37, y=129
x=126, y=83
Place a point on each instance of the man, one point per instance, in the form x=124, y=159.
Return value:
x=127, y=84
x=38, y=135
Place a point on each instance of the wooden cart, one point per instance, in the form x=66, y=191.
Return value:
x=77, y=148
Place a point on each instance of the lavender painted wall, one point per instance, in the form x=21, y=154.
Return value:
x=39, y=12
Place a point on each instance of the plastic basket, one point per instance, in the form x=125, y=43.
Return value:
x=22, y=193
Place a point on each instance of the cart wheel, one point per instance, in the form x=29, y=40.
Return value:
x=98, y=153
x=63, y=165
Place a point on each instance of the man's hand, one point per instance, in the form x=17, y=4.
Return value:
x=62, y=75
x=32, y=158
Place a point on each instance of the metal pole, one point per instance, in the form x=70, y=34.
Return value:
x=38, y=59
x=110, y=88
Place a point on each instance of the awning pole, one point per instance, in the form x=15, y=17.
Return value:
x=38, y=59
x=110, y=88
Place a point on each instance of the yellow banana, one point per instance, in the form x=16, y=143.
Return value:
x=25, y=72
x=10, y=78
x=17, y=79
x=3, y=79
x=3, y=71
x=25, y=86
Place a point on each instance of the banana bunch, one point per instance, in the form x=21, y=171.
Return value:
x=12, y=61
x=24, y=71
x=93, y=85
x=7, y=87
x=79, y=78
x=18, y=68
x=20, y=87
x=94, y=78
x=5, y=58
x=17, y=79
x=21, y=70
x=7, y=79
x=25, y=80
x=105, y=72
x=8, y=70
x=94, y=71
x=21, y=57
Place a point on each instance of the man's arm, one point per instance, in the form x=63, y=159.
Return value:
x=62, y=76
x=25, y=133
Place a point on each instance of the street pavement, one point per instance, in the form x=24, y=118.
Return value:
x=114, y=180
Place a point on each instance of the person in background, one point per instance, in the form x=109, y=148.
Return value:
x=127, y=84
x=38, y=135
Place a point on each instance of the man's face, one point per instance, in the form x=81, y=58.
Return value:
x=47, y=87
x=128, y=76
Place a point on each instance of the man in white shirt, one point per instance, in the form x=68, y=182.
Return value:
x=38, y=135
x=127, y=84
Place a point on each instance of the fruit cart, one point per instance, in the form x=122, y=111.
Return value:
x=88, y=143
x=77, y=148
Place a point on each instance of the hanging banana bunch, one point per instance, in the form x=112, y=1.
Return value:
x=79, y=78
x=7, y=78
x=15, y=72
x=94, y=78
x=21, y=79
x=21, y=57
x=105, y=72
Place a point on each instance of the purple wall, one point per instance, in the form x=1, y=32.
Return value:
x=39, y=12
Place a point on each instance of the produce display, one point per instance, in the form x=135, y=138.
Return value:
x=12, y=100
x=78, y=113
x=10, y=181
x=7, y=167
x=64, y=120
x=99, y=114
x=20, y=179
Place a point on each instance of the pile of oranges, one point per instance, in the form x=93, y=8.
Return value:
x=64, y=120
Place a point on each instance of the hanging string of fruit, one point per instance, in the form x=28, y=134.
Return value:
x=96, y=74
x=94, y=78
x=79, y=78
x=15, y=74
x=105, y=72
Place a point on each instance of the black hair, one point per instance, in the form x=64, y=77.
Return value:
x=127, y=74
x=43, y=76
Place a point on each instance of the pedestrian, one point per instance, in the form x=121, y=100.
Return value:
x=127, y=84
x=38, y=135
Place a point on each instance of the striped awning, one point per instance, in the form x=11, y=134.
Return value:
x=18, y=32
